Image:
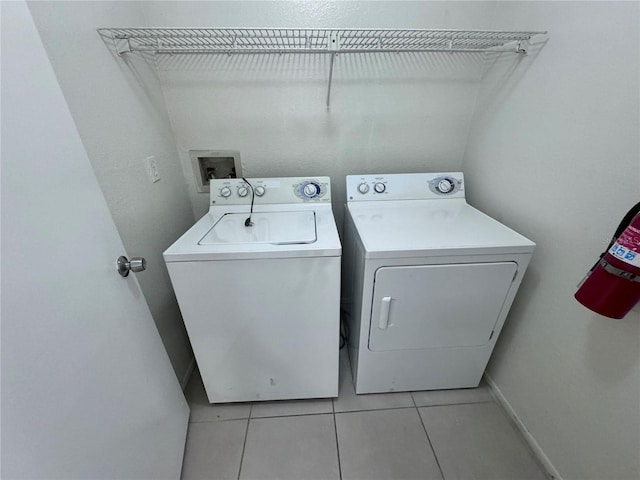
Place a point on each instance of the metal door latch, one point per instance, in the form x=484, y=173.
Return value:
x=137, y=264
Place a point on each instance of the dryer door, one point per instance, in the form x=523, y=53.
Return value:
x=430, y=306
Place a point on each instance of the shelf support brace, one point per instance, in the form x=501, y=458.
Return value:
x=333, y=56
x=333, y=45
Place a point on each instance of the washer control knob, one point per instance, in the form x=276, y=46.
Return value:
x=225, y=192
x=445, y=186
x=363, y=188
x=311, y=190
x=379, y=187
x=259, y=190
x=243, y=191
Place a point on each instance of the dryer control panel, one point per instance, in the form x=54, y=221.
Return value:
x=236, y=191
x=405, y=186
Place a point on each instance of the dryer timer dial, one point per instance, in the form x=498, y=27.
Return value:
x=445, y=185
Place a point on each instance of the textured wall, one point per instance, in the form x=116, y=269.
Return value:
x=389, y=113
x=121, y=115
x=554, y=152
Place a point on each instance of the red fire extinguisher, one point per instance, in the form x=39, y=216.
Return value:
x=612, y=286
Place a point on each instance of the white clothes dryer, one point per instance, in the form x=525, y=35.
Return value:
x=428, y=281
x=261, y=299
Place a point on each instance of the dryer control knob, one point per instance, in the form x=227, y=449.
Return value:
x=379, y=187
x=225, y=192
x=259, y=190
x=445, y=186
x=363, y=188
x=243, y=191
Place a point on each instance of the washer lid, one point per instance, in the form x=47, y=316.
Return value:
x=431, y=227
x=276, y=228
x=279, y=231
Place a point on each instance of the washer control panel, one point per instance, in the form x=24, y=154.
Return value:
x=405, y=186
x=311, y=190
x=236, y=191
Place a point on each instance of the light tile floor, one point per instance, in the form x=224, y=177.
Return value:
x=448, y=434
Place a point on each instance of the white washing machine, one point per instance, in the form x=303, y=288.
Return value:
x=261, y=302
x=428, y=281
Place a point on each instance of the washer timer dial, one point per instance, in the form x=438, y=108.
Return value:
x=260, y=190
x=311, y=190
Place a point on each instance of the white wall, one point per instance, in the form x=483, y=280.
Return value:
x=389, y=113
x=554, y=153
x=120, y=112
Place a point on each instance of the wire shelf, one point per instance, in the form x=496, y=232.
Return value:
x=302, y=40
x=172, y=41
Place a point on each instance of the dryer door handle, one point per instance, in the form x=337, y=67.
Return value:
x=385, y=305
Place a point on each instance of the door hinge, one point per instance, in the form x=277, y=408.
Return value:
x=514, y=276
x=491, y=336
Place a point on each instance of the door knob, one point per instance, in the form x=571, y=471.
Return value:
x=137, y=264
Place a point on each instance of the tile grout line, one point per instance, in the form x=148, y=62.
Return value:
x=294, y=415
x=452, y=404
x=244, y=445
x=377, y=409
x=427, y=434
x=335, y=429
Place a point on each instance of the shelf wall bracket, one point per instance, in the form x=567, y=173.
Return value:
x=522, y=47
x=333, y=41
x=122, y=45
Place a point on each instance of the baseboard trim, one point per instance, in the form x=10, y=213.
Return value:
x=535, y=447
x=187, y=374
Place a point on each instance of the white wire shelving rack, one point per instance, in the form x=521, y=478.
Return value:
x=229, y=41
